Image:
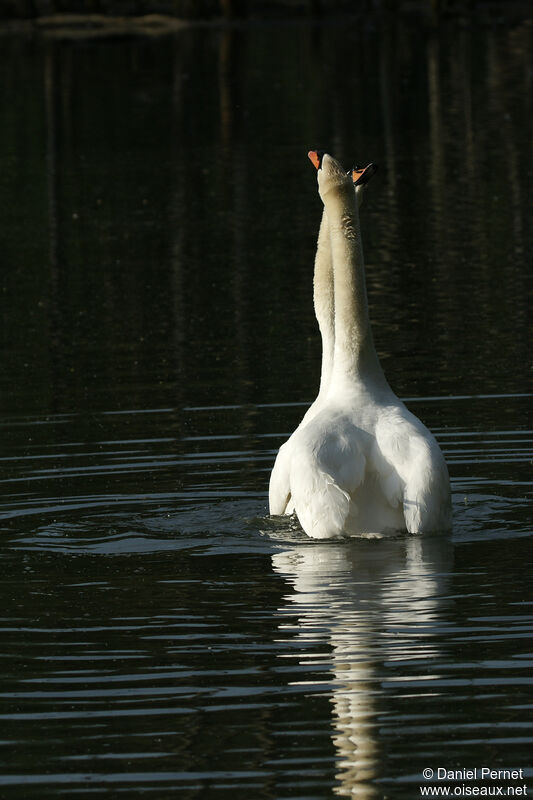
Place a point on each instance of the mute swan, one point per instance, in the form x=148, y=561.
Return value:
x=361, y=463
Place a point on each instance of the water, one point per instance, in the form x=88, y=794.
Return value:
x=161, y=635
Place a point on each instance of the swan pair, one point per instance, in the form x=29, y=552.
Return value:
x=359, y=462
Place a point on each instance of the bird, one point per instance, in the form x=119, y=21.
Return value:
x=359, y=463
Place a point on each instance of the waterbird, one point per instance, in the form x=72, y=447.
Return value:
x=359, y=463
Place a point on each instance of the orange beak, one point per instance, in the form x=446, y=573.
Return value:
x=314, y=158
x=362, y=176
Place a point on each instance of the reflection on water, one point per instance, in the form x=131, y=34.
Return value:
x=365, y=605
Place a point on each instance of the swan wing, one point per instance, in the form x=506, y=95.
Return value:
x=321, y=505
x=326, y=469
x=279, y=488
x=413, y=471
x=427, y=497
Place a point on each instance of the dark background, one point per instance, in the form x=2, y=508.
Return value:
x=160, y=634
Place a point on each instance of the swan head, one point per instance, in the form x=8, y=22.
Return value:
x=332, y=176
x=360, y=178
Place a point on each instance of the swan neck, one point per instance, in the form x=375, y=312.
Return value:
x=354, y=352
x=324, y=301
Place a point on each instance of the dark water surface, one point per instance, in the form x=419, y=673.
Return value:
x=161, y=635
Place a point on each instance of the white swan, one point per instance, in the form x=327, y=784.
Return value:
x=361, y=462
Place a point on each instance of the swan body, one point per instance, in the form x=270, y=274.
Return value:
x=359, y=462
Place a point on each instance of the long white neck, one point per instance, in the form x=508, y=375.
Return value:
x=355, y=357
x=324, y=302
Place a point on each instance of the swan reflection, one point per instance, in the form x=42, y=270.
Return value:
x=361, y=605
